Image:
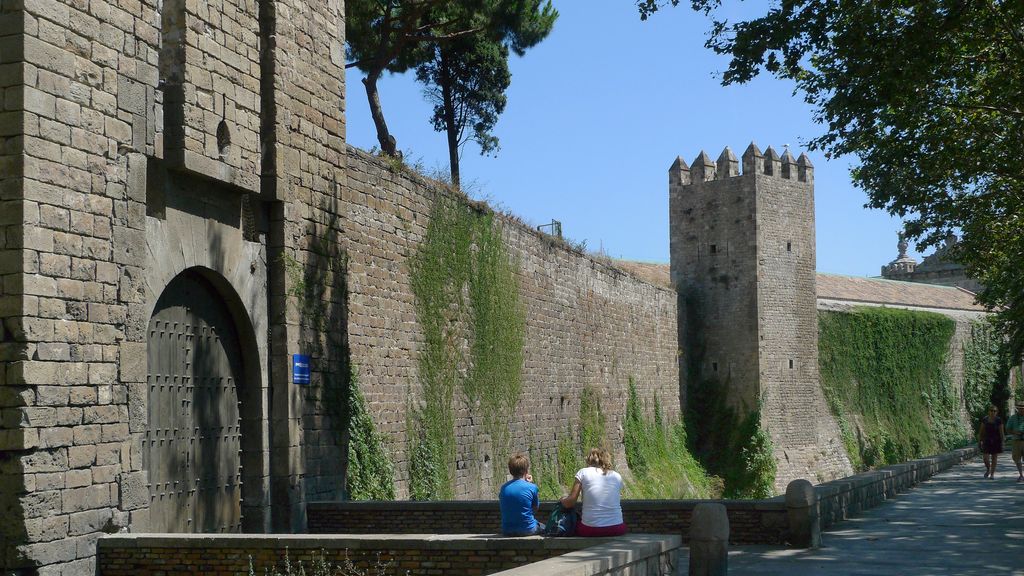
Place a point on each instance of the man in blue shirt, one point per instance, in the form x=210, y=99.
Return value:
x=518, y=499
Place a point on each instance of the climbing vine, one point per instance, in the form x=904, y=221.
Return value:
x=467, y=304
x=371, y=474
x=659, y=461
x=884, y=374
x=985, y=369
x=593, y=433
x=733, y=447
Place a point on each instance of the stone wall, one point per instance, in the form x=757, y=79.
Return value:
x=303, y=91
x=13, y=231
x=843, y=498
x=588, y=324
x=70, y=468
x=95, y=221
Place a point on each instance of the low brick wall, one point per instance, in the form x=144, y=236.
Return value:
x=750, y=521
x=840, y=499
x=455, y=555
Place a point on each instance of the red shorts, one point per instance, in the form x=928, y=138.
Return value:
x=616, y=530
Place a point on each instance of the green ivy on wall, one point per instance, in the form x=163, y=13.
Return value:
x=467, y=304
x=734, y=448
x=985, y=370
x=555, y=473
x=593, y=433
x=371, y=474
x=884, y=374
x=657, y=455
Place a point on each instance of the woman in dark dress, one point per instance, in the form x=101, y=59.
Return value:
x=990, y=439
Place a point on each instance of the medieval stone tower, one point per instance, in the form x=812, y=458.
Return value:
x=743, y=261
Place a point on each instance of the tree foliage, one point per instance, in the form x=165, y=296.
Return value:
x=399, y=35
x=927, y=95
x=466, y=80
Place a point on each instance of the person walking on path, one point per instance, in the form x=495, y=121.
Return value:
x=602, y=493
x=518, y=499
x=1015, y=430
x=990, y=439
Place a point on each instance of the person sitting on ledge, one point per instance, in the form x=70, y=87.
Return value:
x=602, y=494
x=518, y=499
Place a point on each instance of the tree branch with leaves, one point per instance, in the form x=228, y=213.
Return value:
x=399, y=35
x=927, y=95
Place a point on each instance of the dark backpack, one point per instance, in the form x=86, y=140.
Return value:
x=562, y=522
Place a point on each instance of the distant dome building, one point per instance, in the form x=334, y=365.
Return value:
x=934, y=269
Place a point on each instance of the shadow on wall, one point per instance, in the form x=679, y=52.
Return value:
x=318, y=285
x=16, y=505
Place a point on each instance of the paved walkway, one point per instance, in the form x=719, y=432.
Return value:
x=957, y=523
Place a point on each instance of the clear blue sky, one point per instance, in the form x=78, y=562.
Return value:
x=599, y=111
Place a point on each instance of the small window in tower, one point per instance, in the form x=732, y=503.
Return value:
x=714, y=248
x=789, y=246
x=790, y=363
x=714, y=366
x=223, y=138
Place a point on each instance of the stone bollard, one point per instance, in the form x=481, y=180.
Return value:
x=709, y=540
x=803, y=514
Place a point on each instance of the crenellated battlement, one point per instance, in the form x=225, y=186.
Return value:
x=753, y=161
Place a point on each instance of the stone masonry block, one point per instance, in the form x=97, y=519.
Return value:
x=133, y=363
x=51, y=395
x=129, y=246
x=46, y=529
x=77, y=478
x=40, y=504
x=89, y=521
x=134, y=491
x=81, y=456
x=87, y=498
x=59, y=351
x=55, y=437
x=18, y=439
x=49, y=552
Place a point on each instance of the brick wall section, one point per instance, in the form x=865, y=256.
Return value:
x=750, y=521
x=587, y=324
x=303, y=171
x=228, y=555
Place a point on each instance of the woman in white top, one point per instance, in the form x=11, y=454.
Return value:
x=602, y=493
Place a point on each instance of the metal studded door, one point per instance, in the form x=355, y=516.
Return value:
x=192, y=442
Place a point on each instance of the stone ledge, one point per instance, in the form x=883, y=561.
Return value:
x=840, y=498
x=342, y=541
x=607, y=557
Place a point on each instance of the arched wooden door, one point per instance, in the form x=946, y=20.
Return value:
x=193, y=438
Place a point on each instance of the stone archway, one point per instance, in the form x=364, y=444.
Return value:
x=193, y=441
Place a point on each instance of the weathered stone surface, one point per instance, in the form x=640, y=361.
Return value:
x=134, y=491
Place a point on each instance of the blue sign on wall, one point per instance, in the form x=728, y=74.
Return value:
x=300, y=369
